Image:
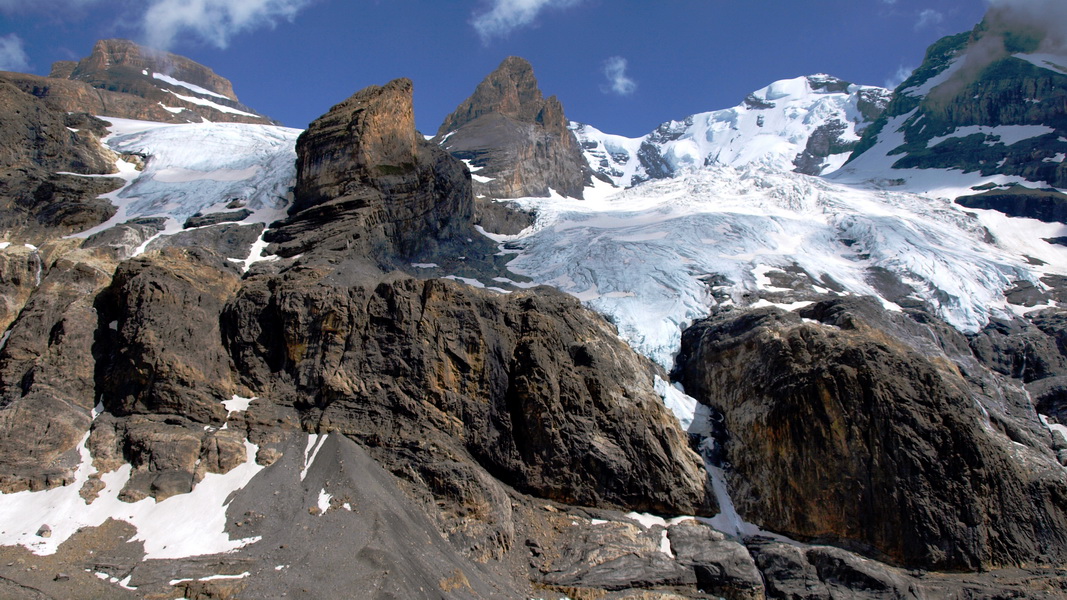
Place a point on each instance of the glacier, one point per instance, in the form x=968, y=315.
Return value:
x=657, y=256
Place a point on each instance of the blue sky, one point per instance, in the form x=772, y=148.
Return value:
x=623, y=66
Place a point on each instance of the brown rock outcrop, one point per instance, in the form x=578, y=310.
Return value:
x=519, y=139
x=368, y=185
x=37, y=143
x=843, y=432
x=533, y=388
x=118, y=65
x=47, y=372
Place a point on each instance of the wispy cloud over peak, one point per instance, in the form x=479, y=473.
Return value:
x=501, y=17
x=927, y=18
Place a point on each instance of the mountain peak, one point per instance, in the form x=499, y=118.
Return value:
x=122, y=62
x=520, y=138
x=510, y=90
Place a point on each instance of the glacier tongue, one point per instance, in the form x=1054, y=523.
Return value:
x=200, y=168
x=659, y=255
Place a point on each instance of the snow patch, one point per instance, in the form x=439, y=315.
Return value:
x=314, y=444
x=181, y=526
x=236, y=404
x=189, y=86
x=214, y=105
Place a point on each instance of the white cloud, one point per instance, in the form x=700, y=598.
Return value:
x=212, y=21
x=898, y=77
x=928, y=17
x=12, y=55
x=618, y=81
x=503, y=16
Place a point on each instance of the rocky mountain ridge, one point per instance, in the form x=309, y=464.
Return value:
x=350, y=391
x=122, y=79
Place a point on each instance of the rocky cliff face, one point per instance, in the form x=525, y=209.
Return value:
x=122, y=79
x=517, y=142
x=368, y=184
x=44, y=156
x=854, y=428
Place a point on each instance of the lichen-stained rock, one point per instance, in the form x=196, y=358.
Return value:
x=520, y=141
x=844, y=433
x=537, y=390
x=47, y=371
x=368, y=184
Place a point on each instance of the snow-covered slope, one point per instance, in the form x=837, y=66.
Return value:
x=973, y=113
x=808, y=123
x=201, y=168
x=661, y=254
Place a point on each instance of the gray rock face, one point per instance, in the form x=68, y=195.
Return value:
x=842, y=431
x=517, y=139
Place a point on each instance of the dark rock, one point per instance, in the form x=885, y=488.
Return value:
x=401, y=362
x=47, y=385
x=164, y=353
x=849, y=434
x=845, y=572
x=616, y=556
x=227, y=240
x=127, y=237
x=37, y=203
x=723, y=567
x=500, y=217
x=1049, y=206
x=1018, y=349
x=199, y=220
x=369, y=185
x=825, y=141
x=787, y=574
x=518, y=138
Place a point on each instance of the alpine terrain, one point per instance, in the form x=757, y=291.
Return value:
x=813, y=346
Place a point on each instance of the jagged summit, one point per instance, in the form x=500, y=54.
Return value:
x=808, y=124
x=510, y=90
x=514, y=139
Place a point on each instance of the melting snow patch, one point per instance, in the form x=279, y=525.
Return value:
x=4, y=245
x=189, y=86
x=314, y=444
x=324, y=501
x=214, y=105
x=236, y=404
x=181, y=526
x=682, y=405
x=466, y=280
x=425, y=265
x=1008, y=134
